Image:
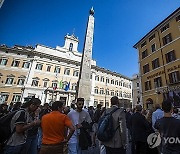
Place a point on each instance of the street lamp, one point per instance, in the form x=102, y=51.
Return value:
x=26, y=80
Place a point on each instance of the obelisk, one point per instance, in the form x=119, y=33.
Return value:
x=84, y=82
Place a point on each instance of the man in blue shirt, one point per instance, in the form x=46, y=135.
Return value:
x=158, y=114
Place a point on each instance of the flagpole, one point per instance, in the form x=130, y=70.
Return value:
x=105, y=94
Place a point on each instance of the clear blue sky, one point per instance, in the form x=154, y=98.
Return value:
x=119, y=24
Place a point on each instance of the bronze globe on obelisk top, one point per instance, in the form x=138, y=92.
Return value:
x=91, y=12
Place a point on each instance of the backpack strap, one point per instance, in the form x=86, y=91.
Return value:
x=114, y=110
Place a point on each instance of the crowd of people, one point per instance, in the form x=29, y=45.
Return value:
x=60, y=129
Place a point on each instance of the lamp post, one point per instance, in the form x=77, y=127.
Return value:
x=26, y=80
x=105, y=93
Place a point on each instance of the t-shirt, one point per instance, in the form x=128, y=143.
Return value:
x=169, y=127
x=77, y=118
x=53, y=127
x=21, y=117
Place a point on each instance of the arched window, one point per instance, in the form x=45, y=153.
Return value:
x=97, y=78
x=74, y=86
x=67, y=71
x=96, y=90
x=101, y=91
x=70, y=47
x=107, y=91
x=76, y=73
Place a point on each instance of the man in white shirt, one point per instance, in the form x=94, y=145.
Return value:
x=77, y=116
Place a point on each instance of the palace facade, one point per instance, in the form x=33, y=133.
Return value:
x=52, y=74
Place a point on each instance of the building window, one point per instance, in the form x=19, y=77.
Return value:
x=112, y=81
x=112, y=93
x=15, y=63
x=3, y=61
x=74, y=86
x=147, y=85
x=146, y=68
x=9, y=80
x=153, y=47
x=157, y=82
x=174, y=77
x=102, y=79
x=155, y=63
x=164, y=28
x=45, y=83
x=107, y=91
x=137, y=84
x=143, y=44
x=167, y=39
x=130, y=86
x=102, y=91
x=76, y=73
x=35, y=82
x=39, y=66
x=57, y=69
x=120, y=93
x=4, y=97
x=116, y=93
x=178, y=18
x=97, y=78
x=144, y=54
x=95, y=103
x=54, y=84
x=107, y=80
x=16, y=98
x=67, y=71
x=21, y=82
x=152, y=37
x=116, y=82
x=96, y=90
x=170, y=56
x=70, y=47
x=26, y=64
x=48, y=68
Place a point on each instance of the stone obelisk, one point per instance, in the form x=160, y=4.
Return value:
x=84, y=82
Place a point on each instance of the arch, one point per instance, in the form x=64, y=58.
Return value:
x=70, y=46
x=149, y=103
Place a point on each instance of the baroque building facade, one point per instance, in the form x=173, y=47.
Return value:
x=52, y=74
x=159, y=62
x=136, y=91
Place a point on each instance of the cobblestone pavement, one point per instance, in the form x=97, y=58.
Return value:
x=96, y=150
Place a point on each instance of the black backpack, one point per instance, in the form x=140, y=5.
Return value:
x=105, y=130
x=5, y=127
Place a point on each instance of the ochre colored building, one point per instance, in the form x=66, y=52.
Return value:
x=159, y=62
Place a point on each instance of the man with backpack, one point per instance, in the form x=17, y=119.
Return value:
x=19, y=124
x=112, y=129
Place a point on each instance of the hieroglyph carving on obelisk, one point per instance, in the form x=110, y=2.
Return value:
x=84, y=82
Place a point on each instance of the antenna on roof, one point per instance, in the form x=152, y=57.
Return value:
x=73, y=31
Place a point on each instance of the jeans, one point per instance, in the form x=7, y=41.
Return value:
x=39, y=137
x=73, y=148
x=30, y=147
x=13, y=149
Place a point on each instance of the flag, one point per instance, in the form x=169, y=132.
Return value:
x=55, y=87
x=61, y=84
x=67, y=87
